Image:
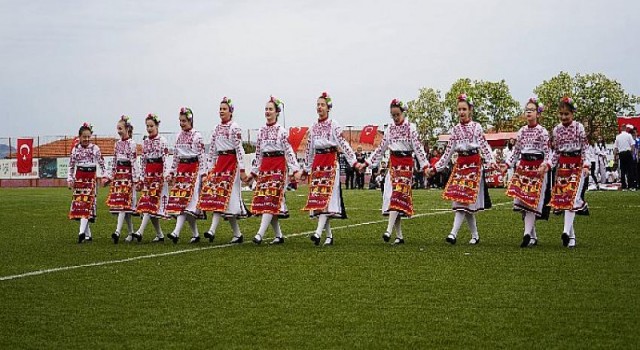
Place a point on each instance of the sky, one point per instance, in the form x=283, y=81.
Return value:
x=66, y=62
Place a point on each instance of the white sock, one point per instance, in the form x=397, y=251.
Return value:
x=398, y=227
x=327, y=227
x=193, y=225
x=322, y=221
x=534, y=234
x=214, y=222
x=127, y=218
x=120, y=222
x=393, y=217
x=235, y=227
x=473, y=227
x=156, y=225
x=143, y=225
x=568, y=221
x=264, y=224
x=179, y=223
x=275, y=223
x=84, y=223
x=87, y=232
x=529, y=223
x=572, y=234
x=457, y=222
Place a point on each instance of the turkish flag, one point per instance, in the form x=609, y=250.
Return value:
x=296, y=134
x=25, y=156
x=368, y=134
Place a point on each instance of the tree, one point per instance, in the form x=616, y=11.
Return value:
x=599, y=100
x=427, y=111
x=493, y=104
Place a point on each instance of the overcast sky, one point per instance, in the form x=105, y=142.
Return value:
x=64, y=62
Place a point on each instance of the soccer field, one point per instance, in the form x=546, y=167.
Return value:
x=359, y=293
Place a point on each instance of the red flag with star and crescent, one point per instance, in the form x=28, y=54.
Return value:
x=368, y=134
x=25, y=156
x=296, y=134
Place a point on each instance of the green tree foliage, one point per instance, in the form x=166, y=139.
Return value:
x=599, y=100
x=427, y=111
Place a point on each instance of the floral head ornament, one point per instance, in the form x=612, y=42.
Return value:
x=465, y=98
x=277, y=102
x=569, y=102
x=228, y=102
x=186, y=111
x=126, y=120
x=88, y=126
x=327, y=98
x=539, y=105
x=397, y=103
x=153, y=117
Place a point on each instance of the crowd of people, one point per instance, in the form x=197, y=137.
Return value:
x=549, y=172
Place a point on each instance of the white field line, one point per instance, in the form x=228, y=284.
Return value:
x=183, y=251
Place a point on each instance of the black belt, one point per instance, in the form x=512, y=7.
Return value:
x=227, y=152
x=189, y=160
x=326, y=150
x=123, y=162
x=154, y=160
x=273, y=154
x=402, y=153
x=90, y=169
x=468, y=152
x=571, y=154
x=532, y=156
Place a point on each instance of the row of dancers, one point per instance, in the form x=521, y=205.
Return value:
x=196, y=183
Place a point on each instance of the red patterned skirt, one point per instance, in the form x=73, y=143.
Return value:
x=323, y=177
x=568, y=188
x=120, y=198
x=401, y=178
x=83, y=202
x=464, y=183
x=218, y=184
x=268, y=195
x=152, y=199
x=184, y=186
x=526, y=183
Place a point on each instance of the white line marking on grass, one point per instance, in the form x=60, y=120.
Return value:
x=183, y=251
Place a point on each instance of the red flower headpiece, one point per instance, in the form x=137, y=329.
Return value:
x=228, y=102
x=537, y=103
x=465, y=98
x=327, y=98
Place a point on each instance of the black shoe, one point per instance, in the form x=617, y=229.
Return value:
x=398, y=241
x=88, y=239
x=158, y=240
x=474, y=241
x=315, y=239
x=451, y=239
x=237, y=240
x=137, y=236
x=525, y=241
x=386, y=236
x=115, y=237
x=257, y=240
x=173, y=238
x=194, y=239
x=534, y=242
x=210, y=236
x=328, y=241
x=277, y=240
x=81, y=238
x=565, y=239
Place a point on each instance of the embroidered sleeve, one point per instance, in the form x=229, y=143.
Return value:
x=552, y=157
x=143, y=159
x=99, y=158
x=198, y=145
x=336, y=129
x=72, y=165
x=517, y=149
x=292, y=159
x=174, y=164
x=236, y=134
x=545, y=144
x=258, y=162
x=213, y=151
x=448, y=151
x=114, y=163
x=584, y=144
x=310, y=152
x=487, y=154
x=133, y=157
x=376, y=155
x=164, y=149
x=418, y=148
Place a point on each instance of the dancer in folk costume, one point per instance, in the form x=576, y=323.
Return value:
x=572, y=172
x=401, y=139
x=83, y=163
x=124, y=173
x=274, y=160
x=221, y=186
x=467, y=186
x=601, y=154
x=153, y=188
x=325, y=195
x=530, y=186
x=185, y=178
